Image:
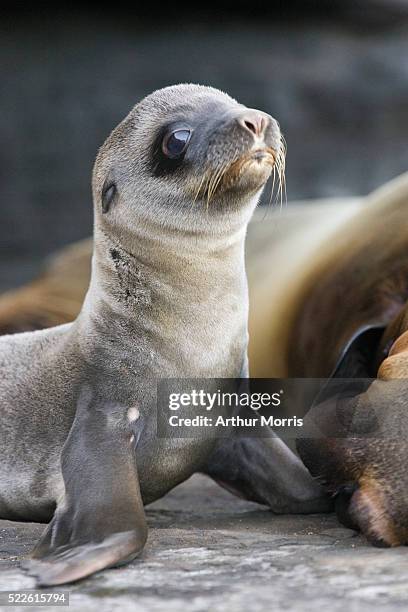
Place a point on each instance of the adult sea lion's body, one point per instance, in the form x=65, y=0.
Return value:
x=174, y=187
x=340, y=309
x=362, y=450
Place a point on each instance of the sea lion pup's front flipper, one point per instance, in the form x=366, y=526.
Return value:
x=99, y=521
x=266, y=471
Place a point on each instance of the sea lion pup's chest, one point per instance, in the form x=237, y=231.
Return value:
x=186, y=320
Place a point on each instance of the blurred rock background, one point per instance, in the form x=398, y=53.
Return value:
x=335, y=74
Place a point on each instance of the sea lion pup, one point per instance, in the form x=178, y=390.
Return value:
x=174, y=187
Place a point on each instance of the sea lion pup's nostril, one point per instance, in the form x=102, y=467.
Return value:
x=251, y=126
x=254, y=122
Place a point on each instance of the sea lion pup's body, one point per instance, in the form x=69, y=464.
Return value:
x=174, y=187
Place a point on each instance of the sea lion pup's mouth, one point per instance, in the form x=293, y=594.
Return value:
x=260, y=161
x=246, y=172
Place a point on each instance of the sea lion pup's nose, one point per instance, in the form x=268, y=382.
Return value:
x=254, y=121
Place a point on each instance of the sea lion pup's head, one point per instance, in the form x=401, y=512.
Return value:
x=187, y=158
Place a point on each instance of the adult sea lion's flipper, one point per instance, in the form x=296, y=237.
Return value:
x=99, y=521
x=266, y=471
x=361, y=450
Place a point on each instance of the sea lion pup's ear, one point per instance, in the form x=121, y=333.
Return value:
x=109, y=193
x=99, y=521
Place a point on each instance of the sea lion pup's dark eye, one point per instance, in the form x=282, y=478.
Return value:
x=175, y=143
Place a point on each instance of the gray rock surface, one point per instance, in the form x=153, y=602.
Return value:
x=208, y=550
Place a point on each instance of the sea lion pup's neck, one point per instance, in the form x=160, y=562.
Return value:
x=174, y=187
x=183, y=296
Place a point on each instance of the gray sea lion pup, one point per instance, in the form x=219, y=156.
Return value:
x=174, y=187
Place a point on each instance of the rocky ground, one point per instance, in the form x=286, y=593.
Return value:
x=210, y=551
